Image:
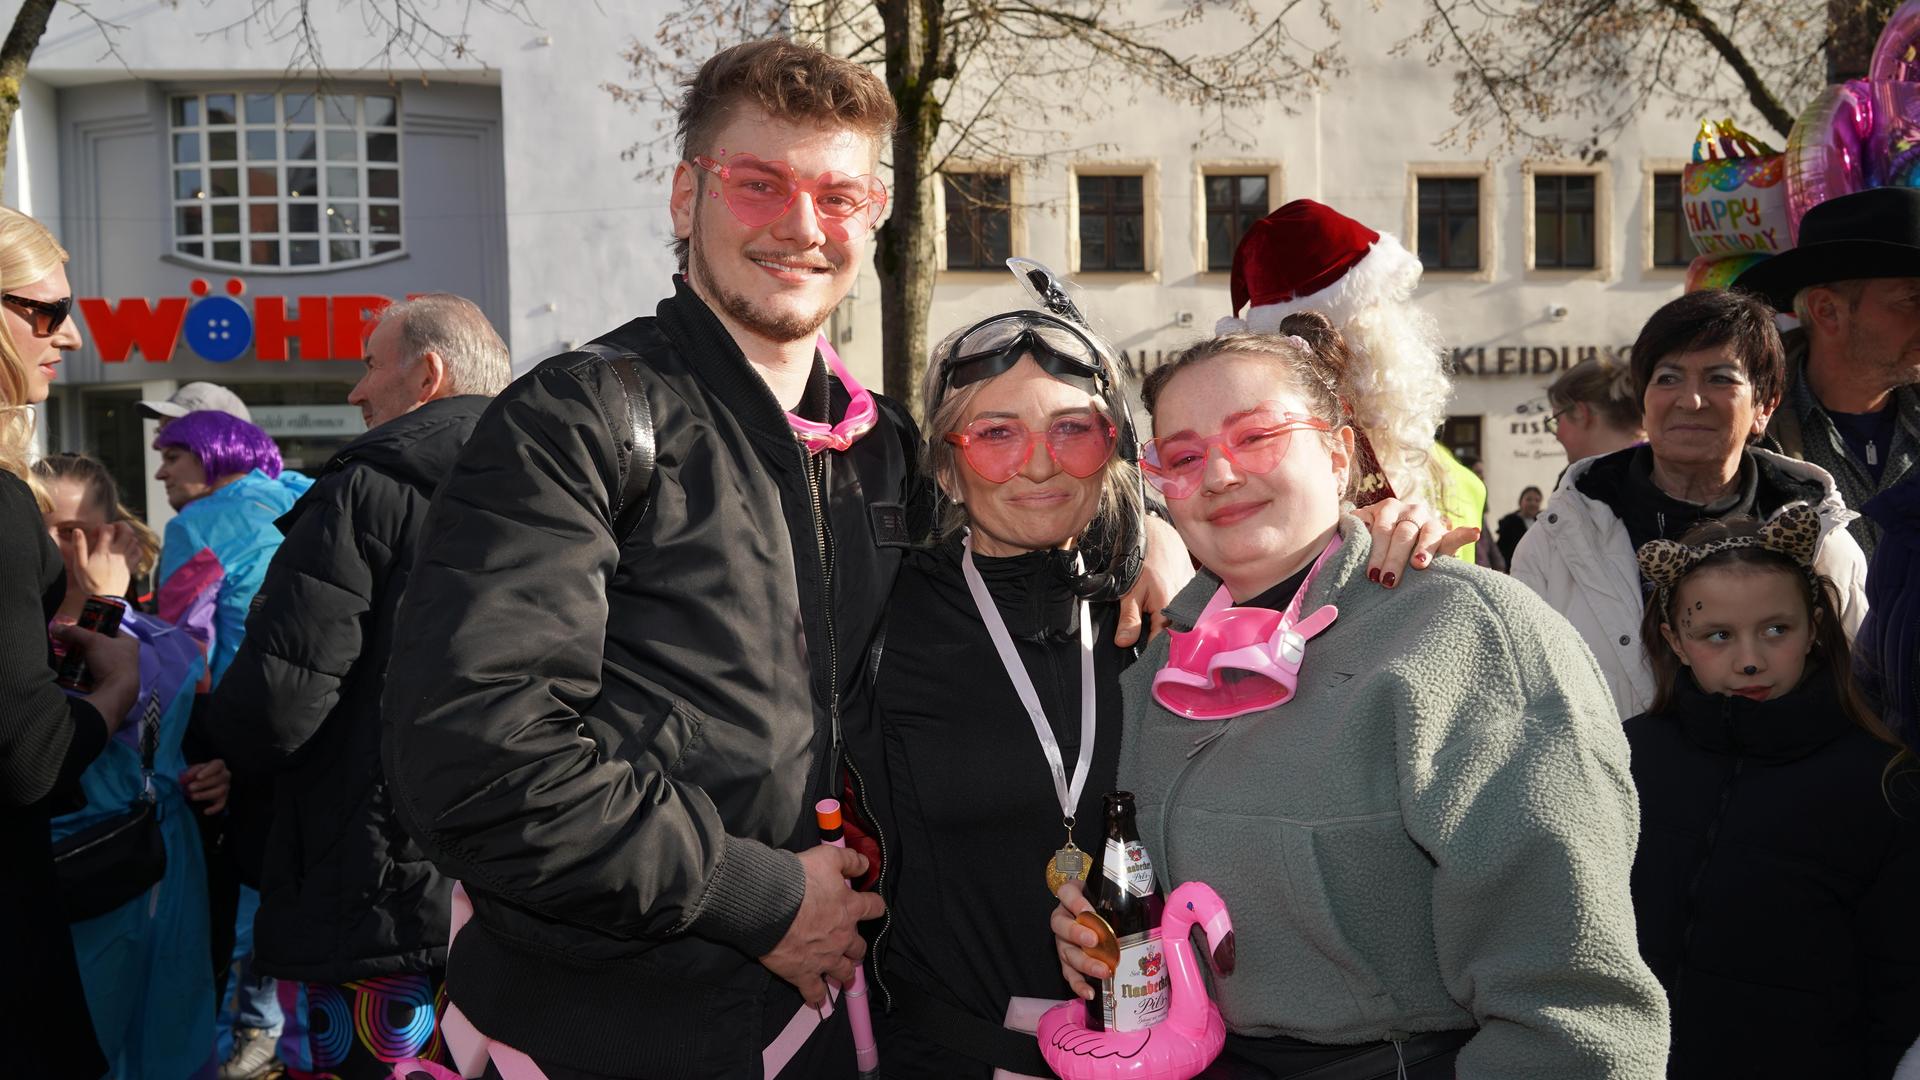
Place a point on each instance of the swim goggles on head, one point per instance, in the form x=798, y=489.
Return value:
x=1238, y=660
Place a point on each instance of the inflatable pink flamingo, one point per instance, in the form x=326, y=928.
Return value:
x=1178, y=1047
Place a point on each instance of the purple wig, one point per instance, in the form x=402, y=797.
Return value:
x=225, y=444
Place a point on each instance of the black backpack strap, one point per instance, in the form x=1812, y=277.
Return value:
x=639, y=446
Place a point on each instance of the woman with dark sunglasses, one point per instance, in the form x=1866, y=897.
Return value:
x=1415, y=801
x=47, y=738
x=998, y=684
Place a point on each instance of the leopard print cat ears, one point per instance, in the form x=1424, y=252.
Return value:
x=1793, y=532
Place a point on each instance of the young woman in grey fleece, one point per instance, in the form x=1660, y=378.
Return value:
x=1436, y=833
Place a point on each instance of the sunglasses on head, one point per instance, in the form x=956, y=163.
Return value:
x=1256, y=441
x=48, y=315
x=760, y=192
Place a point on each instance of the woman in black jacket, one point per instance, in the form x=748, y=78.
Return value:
x=1780, y=825
x=46, y=737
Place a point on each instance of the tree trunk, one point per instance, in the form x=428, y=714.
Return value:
x=28, y=26
x=904, y=251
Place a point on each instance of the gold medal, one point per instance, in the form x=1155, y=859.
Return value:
x=1067, y=864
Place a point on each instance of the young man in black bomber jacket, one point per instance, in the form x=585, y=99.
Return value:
x=616, y=744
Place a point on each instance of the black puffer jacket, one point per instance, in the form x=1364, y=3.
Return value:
x=616, y=745
x=1774, y=886
x=345, y=892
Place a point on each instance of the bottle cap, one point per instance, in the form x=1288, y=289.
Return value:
x=826, y=812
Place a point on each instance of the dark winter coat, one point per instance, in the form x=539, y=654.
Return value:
x=615, y=744
x=1887, y=653
x=46, y=741
x=345, y=892
x=1774, y=886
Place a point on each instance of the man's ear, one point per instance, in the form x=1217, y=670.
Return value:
x=1673, y=642
x=429, y=377
x=686, y=194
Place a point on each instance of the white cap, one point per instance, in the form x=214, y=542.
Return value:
x=198, y=397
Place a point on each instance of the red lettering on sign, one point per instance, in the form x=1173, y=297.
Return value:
x=272, y=328
x=133, y=323
x=353, y=318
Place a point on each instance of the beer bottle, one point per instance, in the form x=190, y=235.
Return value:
x=1136, y=994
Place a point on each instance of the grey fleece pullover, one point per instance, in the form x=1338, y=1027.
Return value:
x=1436, y=833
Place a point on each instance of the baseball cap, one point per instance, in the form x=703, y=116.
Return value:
x=197, y=397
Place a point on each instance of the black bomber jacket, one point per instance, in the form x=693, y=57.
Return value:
x=616, y=747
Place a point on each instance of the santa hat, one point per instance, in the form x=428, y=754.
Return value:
x=1307, y=256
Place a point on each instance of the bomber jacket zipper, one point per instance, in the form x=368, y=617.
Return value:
x=814, y=466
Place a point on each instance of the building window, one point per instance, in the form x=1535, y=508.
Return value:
x=1113, y=223
x=1233, y=204
x=979, y=220
x=1449, y=222
x=1671, y=244
x=1461, y=436
x=285, y=180
x=1563, y=222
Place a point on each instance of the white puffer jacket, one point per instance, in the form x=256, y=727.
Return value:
x=1578, y=557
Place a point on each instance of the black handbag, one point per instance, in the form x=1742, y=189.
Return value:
x=111, y=862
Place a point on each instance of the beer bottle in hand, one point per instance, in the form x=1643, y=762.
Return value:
x=1136, y=995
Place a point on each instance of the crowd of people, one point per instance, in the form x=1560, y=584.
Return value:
x=492, y=748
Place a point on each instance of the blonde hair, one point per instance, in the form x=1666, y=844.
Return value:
x=1119, y=483
x=103, y=493
x=28, y=252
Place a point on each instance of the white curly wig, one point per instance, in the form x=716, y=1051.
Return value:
x=1398, y=386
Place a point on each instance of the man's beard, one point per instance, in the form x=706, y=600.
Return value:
x=773, y=326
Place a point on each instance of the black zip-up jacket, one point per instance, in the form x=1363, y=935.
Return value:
x=616, y=746
x=1774, y=885
x=345, y=892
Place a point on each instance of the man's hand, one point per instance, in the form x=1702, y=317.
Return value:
x=824, y=940
x=1165, y=572
x=208, y=783
x=1408, y=533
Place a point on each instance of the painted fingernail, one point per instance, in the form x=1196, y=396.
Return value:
x=1420, y=559
x=1373, y=574
x=1389, y=580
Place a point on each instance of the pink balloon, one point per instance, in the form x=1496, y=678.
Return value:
x=1827, y=152
x=1894, y=157
x=1896, y=56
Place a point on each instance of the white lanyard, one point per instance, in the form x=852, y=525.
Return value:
x=1068, y=794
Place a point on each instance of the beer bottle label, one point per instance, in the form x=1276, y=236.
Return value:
x=1128, y=867
x=1139, y=994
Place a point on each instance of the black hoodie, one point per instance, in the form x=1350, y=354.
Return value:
x=345, y=893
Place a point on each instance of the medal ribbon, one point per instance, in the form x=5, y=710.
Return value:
x=1068, y=793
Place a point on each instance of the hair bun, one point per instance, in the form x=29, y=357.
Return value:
x=1318, y=331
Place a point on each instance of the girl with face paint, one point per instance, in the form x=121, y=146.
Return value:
x=1778, y=841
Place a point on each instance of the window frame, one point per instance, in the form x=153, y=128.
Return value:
x=1150, y=217
x=1651, y=170
x=1207, y=170
x=1489, y=231
x=976, y=169
x=1603, y=240
x=244, y=203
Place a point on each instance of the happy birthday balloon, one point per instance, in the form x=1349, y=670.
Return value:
x=1718, y=271
x=1827, y=152
x=1734, y=194
x=1896, y=56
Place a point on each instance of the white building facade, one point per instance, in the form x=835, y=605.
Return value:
x=230, y=223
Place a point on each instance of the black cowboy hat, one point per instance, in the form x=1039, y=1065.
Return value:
x=1868, y=234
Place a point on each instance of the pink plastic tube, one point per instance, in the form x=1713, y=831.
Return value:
x=866, y=1055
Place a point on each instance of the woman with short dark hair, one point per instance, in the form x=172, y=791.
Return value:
x=1708, y=370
